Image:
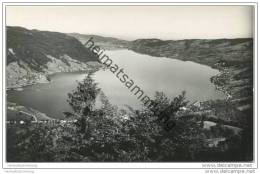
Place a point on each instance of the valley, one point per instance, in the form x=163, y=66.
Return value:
x=216, y=74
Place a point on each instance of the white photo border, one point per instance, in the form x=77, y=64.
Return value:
x=130, y=165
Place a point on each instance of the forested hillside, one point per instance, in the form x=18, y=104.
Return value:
x=31, y=54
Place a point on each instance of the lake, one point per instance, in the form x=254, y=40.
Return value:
x=151, y=74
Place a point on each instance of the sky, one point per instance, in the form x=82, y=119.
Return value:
x=136, y=22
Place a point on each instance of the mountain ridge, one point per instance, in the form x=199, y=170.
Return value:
x=108, y=43
x=31, y=55
x=204, y=51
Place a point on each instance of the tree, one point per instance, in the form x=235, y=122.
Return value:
x=153, y=141
x=82, y=101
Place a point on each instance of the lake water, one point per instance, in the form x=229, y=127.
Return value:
x=151, y=74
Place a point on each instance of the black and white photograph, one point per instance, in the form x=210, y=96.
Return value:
x=129, y=83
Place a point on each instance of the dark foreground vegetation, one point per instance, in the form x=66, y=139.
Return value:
x=108, y=134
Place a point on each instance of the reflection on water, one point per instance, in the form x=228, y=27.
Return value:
x=149, y=73
x=157, y=74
